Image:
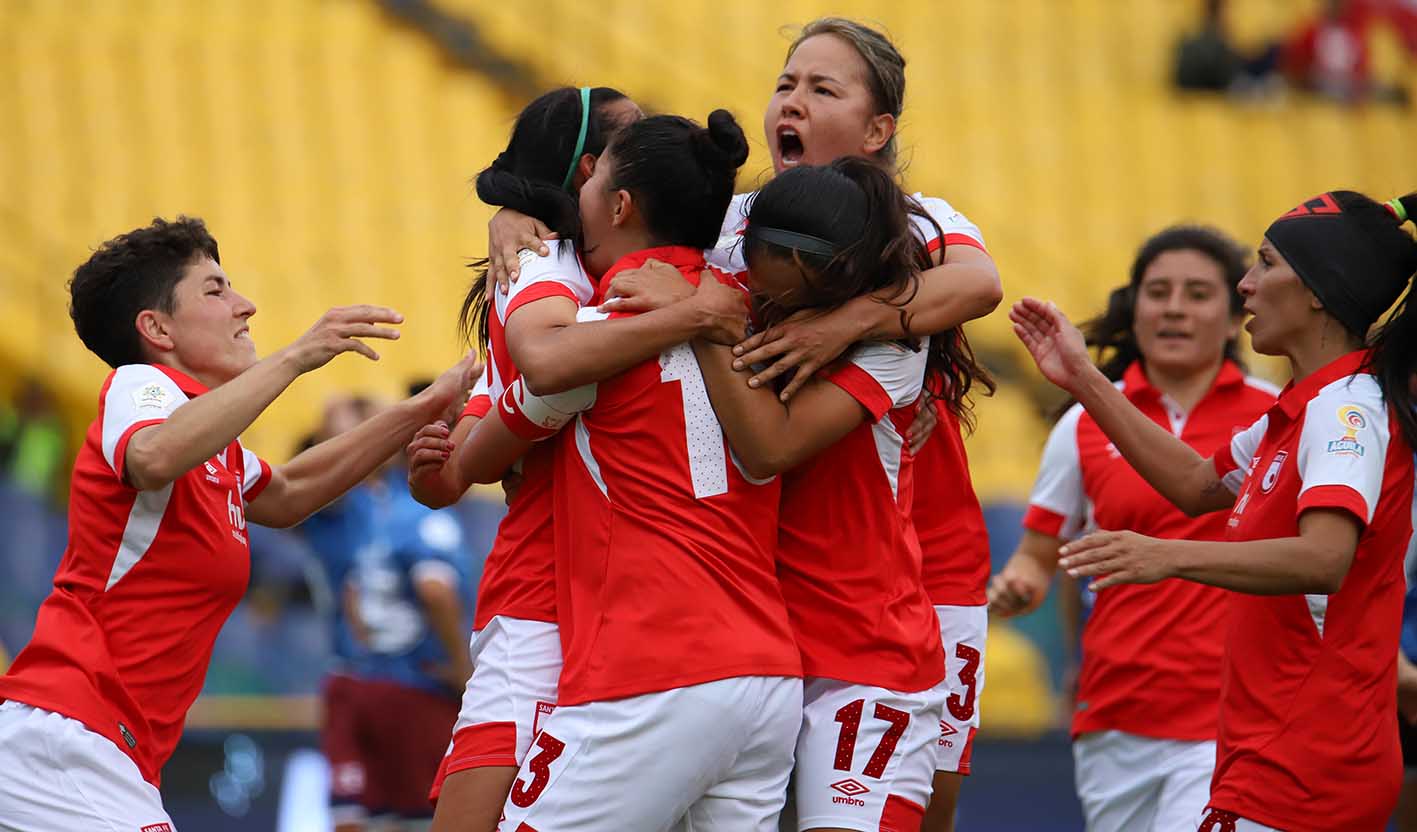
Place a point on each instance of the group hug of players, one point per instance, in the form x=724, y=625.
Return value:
x=735, y=561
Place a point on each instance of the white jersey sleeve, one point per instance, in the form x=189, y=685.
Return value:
x=727, y=254
x=559, y=273
x=957, y=228
x=1234, y=459
x=138, y=395
x=1058, y=504
x=1343, y=447
x=255, y=474
x=882, y=376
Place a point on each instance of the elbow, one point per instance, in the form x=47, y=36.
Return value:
x=764, y=464
x=1328, y=579
x=148, y=471
x=545, y=377
x=991, y=294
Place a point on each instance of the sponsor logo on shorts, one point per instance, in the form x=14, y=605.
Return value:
x=947, y=730
x=850, y=792
x=1352, y=420
x=157, y=827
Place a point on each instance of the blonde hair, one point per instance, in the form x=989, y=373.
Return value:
x=886, y=75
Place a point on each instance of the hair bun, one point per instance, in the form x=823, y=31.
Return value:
x=725, y=138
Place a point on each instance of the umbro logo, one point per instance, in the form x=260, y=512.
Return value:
x=947, y=729
x=850, y=792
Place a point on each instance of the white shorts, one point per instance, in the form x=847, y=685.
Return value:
x=1217, y=820
x=60, y=775
x=516, y=665
x=964, y=632
x=1140, y=784
x=715, y=756
x=866, y=755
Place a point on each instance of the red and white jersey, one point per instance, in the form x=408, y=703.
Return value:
x=148, y=578
x=1149, y=652
x=727, y=255
x=1308, y=727
x=519, y=576
x=664, y=545
x=848, y=556
x=949, y=522
x=947, y=515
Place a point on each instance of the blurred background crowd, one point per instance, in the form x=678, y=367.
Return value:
x=329, y=145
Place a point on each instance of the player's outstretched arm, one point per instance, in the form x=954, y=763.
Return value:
x=556, y=353
x=316, y=477
x=204, y=426
x=770, y=436
x=963, y=287
x=1171, y=466
x=1024, y=581
x=1314, y=563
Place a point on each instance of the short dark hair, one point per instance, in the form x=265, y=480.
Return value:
x=130, y=273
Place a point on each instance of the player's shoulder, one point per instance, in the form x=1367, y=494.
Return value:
x=141, y=387
x=560, y=263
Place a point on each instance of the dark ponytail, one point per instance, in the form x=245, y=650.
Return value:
x=1110, y=333
x=527, y=177
x=1393, y=360
x=680, y=174
x=849, y=224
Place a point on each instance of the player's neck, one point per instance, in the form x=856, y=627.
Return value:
x=1184, y=388
x=1319, y=348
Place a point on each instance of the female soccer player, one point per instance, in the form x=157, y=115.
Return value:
x=817, y=237
x=161, y=492
x=516, y=645
x=1314, y=547
x=1147, y=698
x=674, y=628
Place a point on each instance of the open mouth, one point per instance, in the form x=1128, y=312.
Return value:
x=244, y=333
x=1172, y=335
x=789, y=146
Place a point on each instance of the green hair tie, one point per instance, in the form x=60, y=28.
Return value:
x=580, y=140
x=1398, y=210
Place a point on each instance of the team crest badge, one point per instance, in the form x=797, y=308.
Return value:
x=1352, y=420
x=1271, y=474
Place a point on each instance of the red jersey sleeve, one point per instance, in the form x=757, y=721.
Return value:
x=479, y=402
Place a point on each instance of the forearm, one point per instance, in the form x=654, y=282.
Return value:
x=322, y=473
x=946, y=296
x=203, y=427
x=589, y=351
x=1277, y=566
x=1171, y=466
x=753, y=419
x=489, y=450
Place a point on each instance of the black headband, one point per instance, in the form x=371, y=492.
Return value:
x=1355, y=279
x=791, y=239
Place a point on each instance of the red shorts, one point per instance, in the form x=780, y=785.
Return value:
x=384, y=742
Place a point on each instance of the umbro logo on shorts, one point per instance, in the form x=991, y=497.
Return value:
x=947, y=729
x=157, y=827
x=850, y=792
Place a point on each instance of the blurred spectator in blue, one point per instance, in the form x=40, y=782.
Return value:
x=398, y=576
x=32, y=444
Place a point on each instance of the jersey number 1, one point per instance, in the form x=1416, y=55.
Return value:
x=703, y=437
